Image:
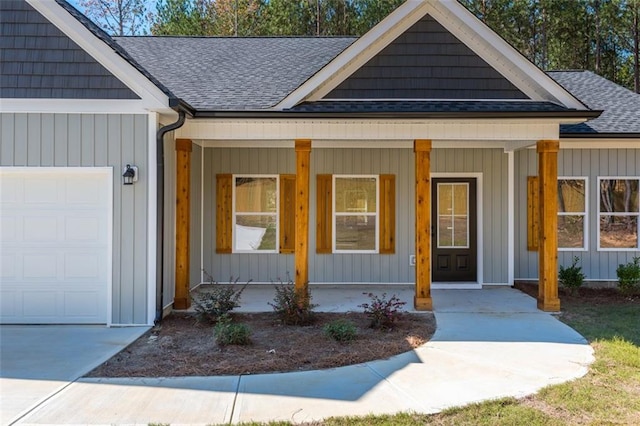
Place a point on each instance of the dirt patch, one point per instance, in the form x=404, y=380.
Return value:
x=181, y=346
x=584, y=295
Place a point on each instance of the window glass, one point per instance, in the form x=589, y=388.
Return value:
x=453, y=215
x=255, y=214
x=618, y=209
x=355, y=213
x=572, y=202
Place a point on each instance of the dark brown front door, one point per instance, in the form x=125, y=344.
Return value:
x=454, y=232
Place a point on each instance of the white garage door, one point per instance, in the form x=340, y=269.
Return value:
x=55, y=234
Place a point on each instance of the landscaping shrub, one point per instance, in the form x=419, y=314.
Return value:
x=228, y=332
x=292, y=308
x=383, y=313
x=341, y=330
x=221, y=299
x=629, y=277
x=571, y=277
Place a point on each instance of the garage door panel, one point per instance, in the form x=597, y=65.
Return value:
x=55, y=245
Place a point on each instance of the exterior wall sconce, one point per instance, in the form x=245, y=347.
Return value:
x=130, y=175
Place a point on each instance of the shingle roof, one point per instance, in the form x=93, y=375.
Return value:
x=621, y=107
x=229, y=73
x=486, y=106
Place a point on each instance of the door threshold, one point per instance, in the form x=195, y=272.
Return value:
x=441, y=285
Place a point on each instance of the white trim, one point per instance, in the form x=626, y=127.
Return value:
x=334, y=214
x=202, y=215
x=585, y=215
x=636, y=214
x=77, y=106
x=154, y=98
x=479, y=217
x=234, y=213
x=152, y=219
x=511, y=214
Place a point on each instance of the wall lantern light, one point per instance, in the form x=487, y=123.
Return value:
x=130, y=175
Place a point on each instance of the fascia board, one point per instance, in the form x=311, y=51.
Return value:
x=356, y=55
x=154, y=98
x=81, y=106
x=525, y=75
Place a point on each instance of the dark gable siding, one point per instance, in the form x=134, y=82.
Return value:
x=38, y=61
x=426, y=62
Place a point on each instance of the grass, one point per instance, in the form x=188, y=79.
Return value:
x=608, y=394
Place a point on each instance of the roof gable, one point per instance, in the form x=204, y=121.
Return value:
x=40, y=61
x=426, y=62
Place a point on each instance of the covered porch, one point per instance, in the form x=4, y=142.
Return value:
x=472, y=149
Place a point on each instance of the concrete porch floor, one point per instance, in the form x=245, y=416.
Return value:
x=348, y=297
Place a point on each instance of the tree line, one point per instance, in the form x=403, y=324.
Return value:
x=598, y=35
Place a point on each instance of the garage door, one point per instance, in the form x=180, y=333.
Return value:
x=55, y=234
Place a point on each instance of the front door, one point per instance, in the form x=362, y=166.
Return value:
x=454, y=231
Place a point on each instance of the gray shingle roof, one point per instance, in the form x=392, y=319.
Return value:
x=621, y=107
x=228, y=73
x=428, y=106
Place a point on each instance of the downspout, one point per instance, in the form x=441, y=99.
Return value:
x=160, y=210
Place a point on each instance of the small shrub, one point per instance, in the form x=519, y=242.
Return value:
x=571, y=277
x=383, y=313
x=291, y=307
x=228, y=332
x=341, y=330
x=629, y=277
x=212, y=304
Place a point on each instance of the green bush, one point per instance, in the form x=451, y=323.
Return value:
x=228, y=332
x=291, y=307
x=341, y=330
x=571, y=277
x=629, y=276
x=383, y=312
x=221, y=299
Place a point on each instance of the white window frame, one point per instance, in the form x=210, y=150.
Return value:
x=335, y=214
x=452, y=184
x=585, y=214
x=236, y=213
x=600, y=213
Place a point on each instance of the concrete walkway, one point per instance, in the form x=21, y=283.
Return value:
x=489, y=343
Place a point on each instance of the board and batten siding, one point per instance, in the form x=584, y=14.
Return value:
x=356, y=268
x=95, y=140
x=590, y=163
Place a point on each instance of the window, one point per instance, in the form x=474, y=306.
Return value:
x=572, y=213
x=453, y=215
x=355, y=213
x=618, y=212
x=255, y=214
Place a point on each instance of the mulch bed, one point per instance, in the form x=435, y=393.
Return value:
x=182, y=346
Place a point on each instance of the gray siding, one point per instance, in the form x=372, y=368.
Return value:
x=426, y=62
x=358, y=267
x=597, y=265
x=87, y=140
x=37, y=60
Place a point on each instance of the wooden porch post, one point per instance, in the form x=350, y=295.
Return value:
x=422, y=300
x=181, y=299
x=303, y=156
x=548, y=243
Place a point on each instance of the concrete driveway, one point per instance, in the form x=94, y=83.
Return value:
x=38, y=361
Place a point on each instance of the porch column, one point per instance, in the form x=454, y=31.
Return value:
x=301, y=253
x=422, y=300
x=181, y=299
x=548, y=244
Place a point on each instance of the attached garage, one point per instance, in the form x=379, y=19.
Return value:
x=55, y=240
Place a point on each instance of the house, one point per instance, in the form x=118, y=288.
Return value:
x=428, y=151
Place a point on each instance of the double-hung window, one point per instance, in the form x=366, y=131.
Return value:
x=356, y=200
x=255, y=213
x=572, y=213
x=618, y=213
